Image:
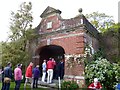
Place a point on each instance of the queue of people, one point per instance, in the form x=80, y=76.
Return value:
x=32, y=75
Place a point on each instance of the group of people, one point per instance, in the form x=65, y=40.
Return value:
x=7, y=75
x=31, y=75
x=53, y=69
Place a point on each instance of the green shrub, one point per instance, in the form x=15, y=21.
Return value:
x=69, y=85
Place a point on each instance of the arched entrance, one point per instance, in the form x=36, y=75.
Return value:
x=51, y=51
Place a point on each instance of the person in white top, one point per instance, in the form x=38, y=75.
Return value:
x=44, y=70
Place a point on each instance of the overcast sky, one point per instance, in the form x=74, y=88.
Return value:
x=69, y=9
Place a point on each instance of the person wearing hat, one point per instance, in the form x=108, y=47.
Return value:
x=95, y=85
x=36, y=75
x=18, y=76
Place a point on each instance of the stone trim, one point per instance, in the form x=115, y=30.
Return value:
x=66, y=36
x=60, y=30
x=75, y=77
x=70, y=35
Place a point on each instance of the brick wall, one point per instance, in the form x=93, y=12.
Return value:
x=72, y=43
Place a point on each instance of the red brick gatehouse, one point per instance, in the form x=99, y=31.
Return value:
x=65, y=39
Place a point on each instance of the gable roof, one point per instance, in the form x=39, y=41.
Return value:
x=49, y=10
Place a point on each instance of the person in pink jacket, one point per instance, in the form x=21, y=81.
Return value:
x=18, y=76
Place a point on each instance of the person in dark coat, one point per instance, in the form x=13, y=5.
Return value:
x=61, y=69
x=36, y=75
x=56, y=71
x=7, y=76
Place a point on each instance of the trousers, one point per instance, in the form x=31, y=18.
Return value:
x=50, y=75
x=43, y=76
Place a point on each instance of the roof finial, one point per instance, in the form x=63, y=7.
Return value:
x=80, y=10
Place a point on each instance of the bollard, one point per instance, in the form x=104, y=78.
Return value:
x=59, y=83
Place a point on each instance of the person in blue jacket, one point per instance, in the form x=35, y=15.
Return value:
x=7, y=76
x=118, y=85
x=36, y=75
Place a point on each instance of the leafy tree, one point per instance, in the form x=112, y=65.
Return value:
x=0, y=53
x=100, y=21
x=21, y=22
x=21, y=34
x=109, y=42
x=99, y=53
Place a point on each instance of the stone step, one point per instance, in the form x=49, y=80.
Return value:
x=54, y=84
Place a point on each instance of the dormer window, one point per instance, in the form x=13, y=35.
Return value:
x=49, y=25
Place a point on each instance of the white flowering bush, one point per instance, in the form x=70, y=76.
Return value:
x=101, y=68
x=116, y=69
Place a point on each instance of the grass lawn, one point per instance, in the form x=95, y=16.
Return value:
x=12, y=85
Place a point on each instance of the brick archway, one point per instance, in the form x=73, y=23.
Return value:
x=50, y=51
x=54, y=51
